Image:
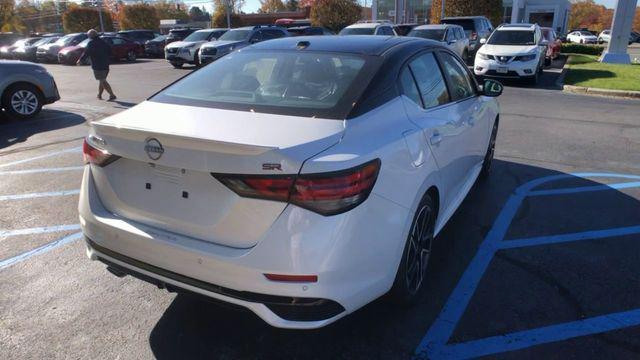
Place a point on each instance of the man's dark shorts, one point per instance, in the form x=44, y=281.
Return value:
x=100, y=74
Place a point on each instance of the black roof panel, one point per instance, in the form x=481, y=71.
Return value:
x=356, y=44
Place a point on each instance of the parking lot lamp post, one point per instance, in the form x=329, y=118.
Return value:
x=374, y=10
x=616, y=52
x=442, y=11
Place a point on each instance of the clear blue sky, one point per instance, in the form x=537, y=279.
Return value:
x=253, y=5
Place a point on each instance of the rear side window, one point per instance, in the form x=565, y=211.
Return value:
x=281, y=82
x=431, y=85
x=460, y=84
x=408, y=86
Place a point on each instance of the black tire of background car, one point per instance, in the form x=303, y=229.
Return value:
x=8, y=93
x=196, y=58
x=176, y=65
x=131, y=56
x=400, y=292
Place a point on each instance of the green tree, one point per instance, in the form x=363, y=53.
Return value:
x=81, y=19
x=219, y=17
x=139, y=16
x=492, y=9
x=271, y=6
x=198, y=14
x=9, y=20
x=171, y=10
x=335, y=14
x=292, y=5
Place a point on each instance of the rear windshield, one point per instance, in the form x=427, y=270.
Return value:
x=281, y=82
x=517, y=37
x=433, y=34
x=466, y=24
x=357, y=31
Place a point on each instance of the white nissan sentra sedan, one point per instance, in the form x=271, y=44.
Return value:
x=301, y=178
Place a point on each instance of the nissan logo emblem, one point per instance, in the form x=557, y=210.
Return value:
x=153, y=148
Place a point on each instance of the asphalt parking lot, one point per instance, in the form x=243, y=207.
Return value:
x=540, y=261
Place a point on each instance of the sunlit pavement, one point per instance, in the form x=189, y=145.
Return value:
x=527, y=268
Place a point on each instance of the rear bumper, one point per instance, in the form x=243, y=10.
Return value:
x=355, y=256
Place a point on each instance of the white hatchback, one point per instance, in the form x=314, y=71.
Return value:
x=300, y=178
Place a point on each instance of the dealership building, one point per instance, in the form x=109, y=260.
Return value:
x=547, y=13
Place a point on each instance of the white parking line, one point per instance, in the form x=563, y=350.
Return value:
x=44, y=248
x=39, y=195
x=55, y=153
x=39, y=230
x=43, y=170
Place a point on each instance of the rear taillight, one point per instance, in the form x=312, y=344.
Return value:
x=325, y=193
x=474, y=35
x=96, y=156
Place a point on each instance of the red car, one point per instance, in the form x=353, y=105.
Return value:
x=121, y=48
x=553, y=43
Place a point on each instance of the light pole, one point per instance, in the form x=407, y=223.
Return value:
x=442, y=11
x=616, y=52
x=228, y=6
x=99, y=5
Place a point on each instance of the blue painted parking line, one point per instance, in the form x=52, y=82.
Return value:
x=39, y=230
x=554, y=239
x=435, y=343
x=527, y=338
x=40, y=250
x=39, y=195
x=42, y=170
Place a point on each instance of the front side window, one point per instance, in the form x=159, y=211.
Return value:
x=460, y=84
x=512, y=37
x=431, y=85
x=273, y=82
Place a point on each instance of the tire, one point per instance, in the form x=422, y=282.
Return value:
x=196, y=58
x=465, y=57
x=409, y=282
x=581, y=41
x=533, y=80
x=491, y=149
x=22, y=101
x=131, y=56
x=176, y=65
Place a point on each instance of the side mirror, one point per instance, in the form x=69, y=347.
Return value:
x=492, y=88
x=483, y=41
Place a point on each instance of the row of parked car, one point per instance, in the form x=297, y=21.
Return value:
x=516, y=51
x=583, y=36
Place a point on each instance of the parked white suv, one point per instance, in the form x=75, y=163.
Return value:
x=512, y=51
x=370, y=28
x=186, y=51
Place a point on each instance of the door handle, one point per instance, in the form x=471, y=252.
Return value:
x=436, y=138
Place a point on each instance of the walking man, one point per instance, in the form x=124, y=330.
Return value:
x=99, y=53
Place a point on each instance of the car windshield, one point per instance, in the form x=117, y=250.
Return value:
x=159, y=38
x=198, y=36
x=270, y=81
x=512, y=37
x=19, y=43
x=65, y=40
x=433, y=34
x=358, y=31
x=547, y=34
x=45, y=41
x=84, y=43
x=586, y=33
x=235, y=35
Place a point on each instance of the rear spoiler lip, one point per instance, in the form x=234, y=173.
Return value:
x=196, y=143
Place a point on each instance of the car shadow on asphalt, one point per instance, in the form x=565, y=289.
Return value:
x=193, y=327
x=13, y=131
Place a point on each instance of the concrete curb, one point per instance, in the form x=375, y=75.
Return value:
x=601, y=92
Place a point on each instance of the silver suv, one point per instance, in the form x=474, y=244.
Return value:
x=24, y=88
x=239, y=38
